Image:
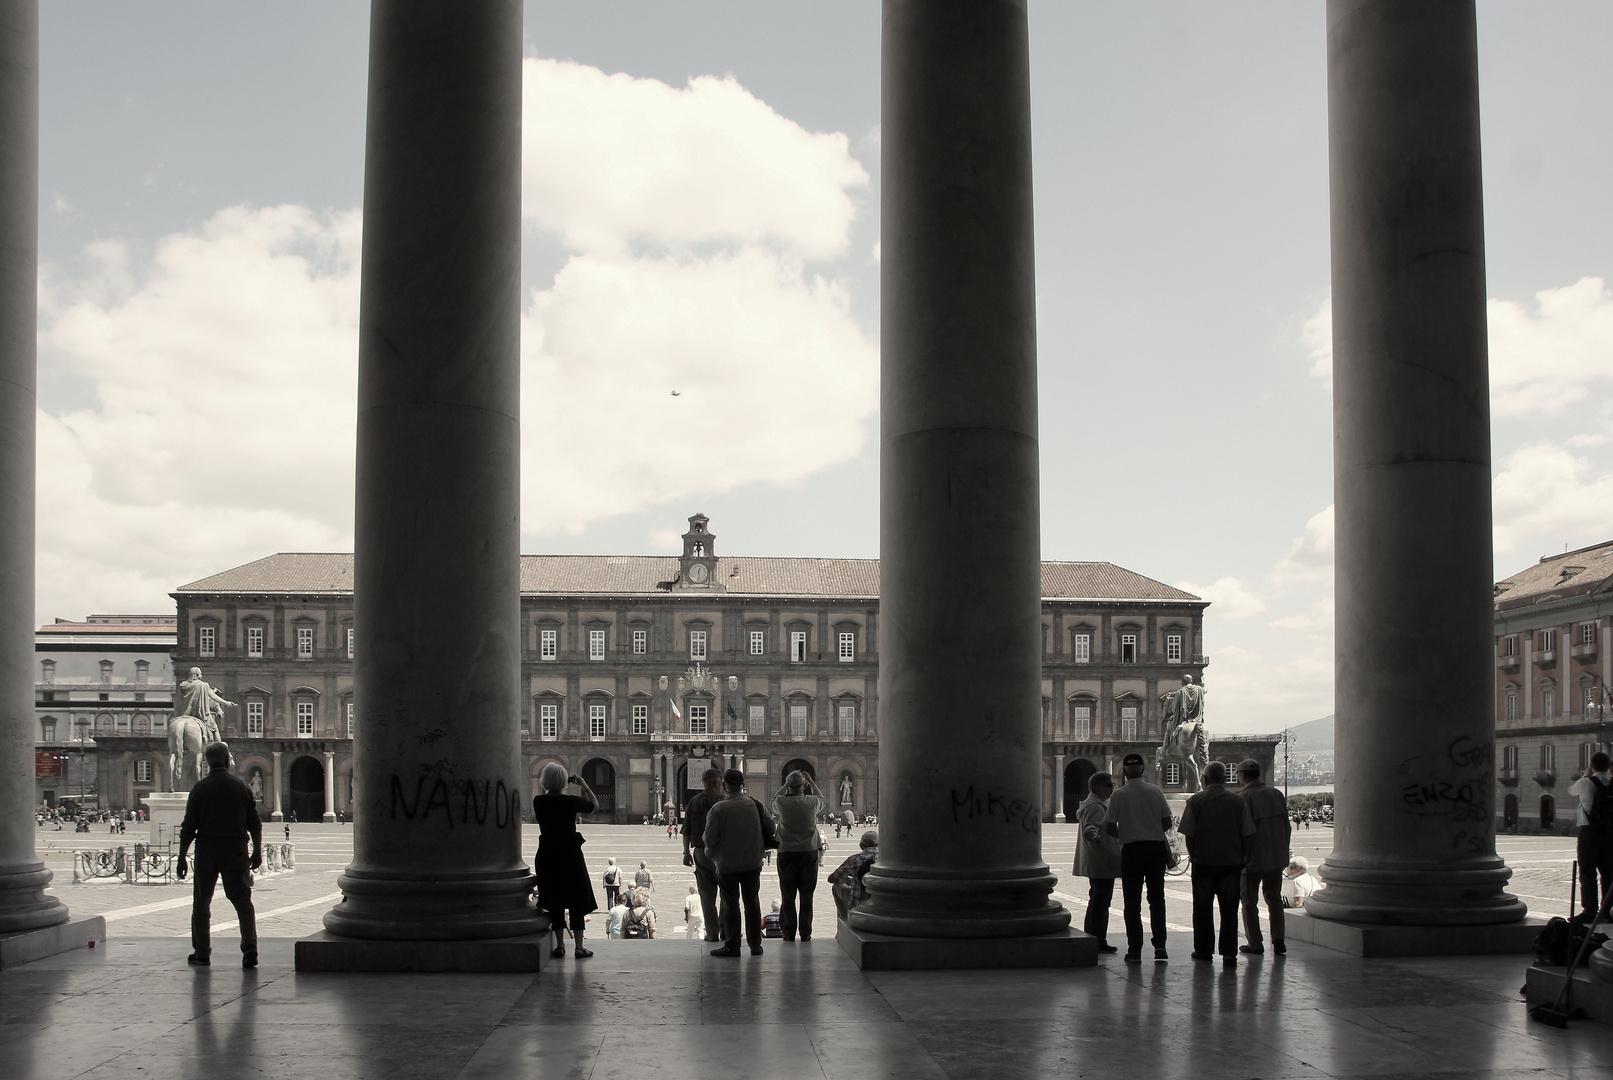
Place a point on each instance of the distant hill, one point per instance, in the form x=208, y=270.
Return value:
x=1313, y=737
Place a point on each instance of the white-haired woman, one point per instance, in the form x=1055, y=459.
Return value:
x=564, y=887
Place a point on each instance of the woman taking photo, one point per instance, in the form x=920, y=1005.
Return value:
x=563, y=883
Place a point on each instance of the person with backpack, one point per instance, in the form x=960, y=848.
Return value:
x=612, y=879
x=1595, y=845
x=639, y=922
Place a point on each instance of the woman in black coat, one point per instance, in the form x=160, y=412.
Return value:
x=563, y=881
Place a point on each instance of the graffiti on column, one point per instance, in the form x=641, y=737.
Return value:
x=1464, y=800
x=971, y=805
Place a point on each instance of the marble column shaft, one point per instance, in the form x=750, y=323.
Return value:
x=439, y=787
x=960, y=605
x=275, y=813
x=1414, y=838
x=23, y=877
x=330, y=787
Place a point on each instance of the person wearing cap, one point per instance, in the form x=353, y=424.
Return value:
x=1139, y=817
x=1219, y=834
x=736, y=837
x=1268, y=855
x=1097, y=858
x=797, y=812
x=1298, y=884
x=694, y=849
x=847, y=878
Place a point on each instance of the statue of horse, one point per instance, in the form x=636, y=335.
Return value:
x=187, y=737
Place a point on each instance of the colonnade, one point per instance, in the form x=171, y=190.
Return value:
x=438, y=780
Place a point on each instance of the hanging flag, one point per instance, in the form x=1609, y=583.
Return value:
x=677, y=713
x=731, y=714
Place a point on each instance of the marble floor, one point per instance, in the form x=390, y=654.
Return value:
x=664, y=1010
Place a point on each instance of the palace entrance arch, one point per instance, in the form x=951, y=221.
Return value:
x=307, y=781
x=1077, y=777
x=601, y=776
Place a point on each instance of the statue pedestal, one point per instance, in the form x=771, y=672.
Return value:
x=167, y=814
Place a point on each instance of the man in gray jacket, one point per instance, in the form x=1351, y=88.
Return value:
x=1097, y=858
x=1268, y=858
x=737, y=831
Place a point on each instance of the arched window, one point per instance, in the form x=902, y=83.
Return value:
x=1173, y=774
x=47, y=729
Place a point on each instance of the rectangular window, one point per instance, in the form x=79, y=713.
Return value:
x=699, y=719
x=1548, y=701
x=142, y=771
x=350, y=643
x=1173, y=648
x=106, y=673
x=1081, y=715
x=305, y=718
x=848, y=721
x=254, y=642
x=697, y=644
x=1548, y=758
x=548, y=642
x=142, y=673
x=254, y=718
x=1173, y=774
x=1593, y=701
x=1081, y=648
x=549, y=721
x=1512, y=704
x=596, y=644
x=305, y=643
x=848, y=648
x=758, y=719
x=641, y=642
x=349, y=711
x=204, y=640
x=1509, y=645
x=1548, y=641
x=798, y=721
x=758, y=642
x=47, y=672
x=1128, y=723
x=798, y=642
x=1128, y=648
x=596, y=721
x=1509, y=758
x=47, y=730
x=641, y=719
x=1585, y=751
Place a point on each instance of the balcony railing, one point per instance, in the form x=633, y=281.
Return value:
x=1508, y=663
x=1583, y=652
x=1509, y=777
x=1546, y=778
x=1546, y=658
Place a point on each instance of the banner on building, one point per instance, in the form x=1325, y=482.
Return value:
x=696, y=768
x=46, y=764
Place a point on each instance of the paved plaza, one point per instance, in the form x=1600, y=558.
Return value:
x=667, y=1009
x=291, y=905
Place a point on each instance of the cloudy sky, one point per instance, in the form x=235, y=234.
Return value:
x=700, y=201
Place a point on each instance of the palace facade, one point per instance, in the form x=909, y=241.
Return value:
x=1552, y=672
x=639, y=670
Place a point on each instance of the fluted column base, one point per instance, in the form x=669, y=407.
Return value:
x=1000, y=904
x=436, y=907
x=23, y=903
x=1360, y=892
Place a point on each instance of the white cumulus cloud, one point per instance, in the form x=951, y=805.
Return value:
x=224, y=365
x=1311, y=554
x=1543, y=490
x=1229, y=598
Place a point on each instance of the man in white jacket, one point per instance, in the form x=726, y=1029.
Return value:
x=1097, y=858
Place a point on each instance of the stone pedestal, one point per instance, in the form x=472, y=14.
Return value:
x=1592, y=996
x=439, y=785
x=881, y=952
x=1381, y=941
x=1415, y=701
x=960, y=604
x=23, y=903
x=331, y=952
x=167, y=814
x=26, y=946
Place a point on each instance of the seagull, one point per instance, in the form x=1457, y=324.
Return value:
x=677, y=393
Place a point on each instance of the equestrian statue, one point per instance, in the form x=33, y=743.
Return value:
x=1185, y=735
x=195, y=723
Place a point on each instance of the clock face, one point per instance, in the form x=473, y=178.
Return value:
x=698, y=573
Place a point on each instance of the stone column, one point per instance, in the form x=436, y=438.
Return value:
x=275, y=814
x=1414, y=839
x=23, y=877
x=1058, y=788
x=330, y=787
x=439, y=785
x=960, y=667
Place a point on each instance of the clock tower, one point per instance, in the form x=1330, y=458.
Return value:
x=697, y=569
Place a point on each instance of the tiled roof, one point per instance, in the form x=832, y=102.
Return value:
x=331, y=572
x=1556, y=577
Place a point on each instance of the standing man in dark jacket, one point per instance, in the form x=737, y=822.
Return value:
x=1219, y=831
x=694, y=849
x=220, y=816
x=1268, y=858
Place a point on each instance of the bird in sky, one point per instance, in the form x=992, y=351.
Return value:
x=677, y=393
